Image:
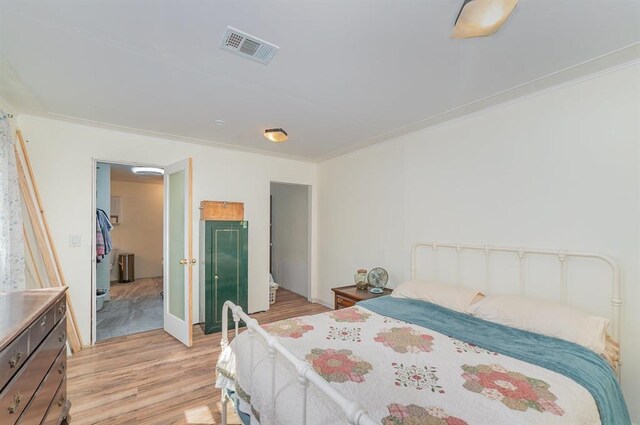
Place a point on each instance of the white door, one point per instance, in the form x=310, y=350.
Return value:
x=178, y=253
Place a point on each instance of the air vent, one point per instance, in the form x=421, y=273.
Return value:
x=248, y=46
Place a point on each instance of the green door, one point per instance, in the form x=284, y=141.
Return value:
x=225, y=269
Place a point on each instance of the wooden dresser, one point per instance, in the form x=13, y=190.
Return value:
x=33, y=358
x=347, y=296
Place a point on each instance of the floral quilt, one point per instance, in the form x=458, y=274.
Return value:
x=401, y=373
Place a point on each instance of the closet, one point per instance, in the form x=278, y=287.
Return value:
x=223, y=269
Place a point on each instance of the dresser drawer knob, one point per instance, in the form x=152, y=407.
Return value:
x=62, y=368
x=15, y=403
x=61, y=400
x=62, y=308
x=61, y=337
x=15, y=359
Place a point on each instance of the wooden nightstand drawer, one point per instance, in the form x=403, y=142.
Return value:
x=342, y=302
x=348, y=296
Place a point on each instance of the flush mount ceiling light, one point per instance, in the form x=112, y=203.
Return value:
x=480, y=18
x=276, y=135
x=147, y=171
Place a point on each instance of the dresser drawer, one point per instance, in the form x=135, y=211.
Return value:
x=24, y=384
x=58, y=405
x=40, y=329
x=13, y=357
x=37, y=408
x=342, y=302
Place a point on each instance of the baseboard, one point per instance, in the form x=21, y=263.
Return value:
x=324, y=303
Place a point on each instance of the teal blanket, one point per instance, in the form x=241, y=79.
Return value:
x=571, y=360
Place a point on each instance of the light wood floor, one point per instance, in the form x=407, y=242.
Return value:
x=151, y=378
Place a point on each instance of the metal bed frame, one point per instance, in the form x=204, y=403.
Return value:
x=353, y=411
x=522, y=255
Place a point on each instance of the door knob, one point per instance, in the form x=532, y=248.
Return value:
x=183, y=261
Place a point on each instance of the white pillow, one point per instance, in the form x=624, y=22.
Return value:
x=449, y=296
x=544, y=317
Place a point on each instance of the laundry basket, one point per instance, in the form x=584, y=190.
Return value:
x=273, y=287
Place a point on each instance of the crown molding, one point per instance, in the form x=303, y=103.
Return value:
x=166, y=136
x=605, y=64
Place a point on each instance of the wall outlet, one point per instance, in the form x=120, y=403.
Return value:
x=75, y=241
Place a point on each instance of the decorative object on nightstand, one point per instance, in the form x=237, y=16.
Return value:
x=347, y=296
x=360, y=279
x=377, y=279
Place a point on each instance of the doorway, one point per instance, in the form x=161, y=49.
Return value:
x=128, y=250
x=175, y=243
x=290, y=238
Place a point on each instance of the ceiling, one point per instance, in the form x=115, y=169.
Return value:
x=349, y=73
x=123, y=173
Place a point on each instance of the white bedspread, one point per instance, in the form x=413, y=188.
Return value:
x=402, y=374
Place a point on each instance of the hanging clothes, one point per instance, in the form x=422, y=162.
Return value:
x=99, y=242
x=103, y=235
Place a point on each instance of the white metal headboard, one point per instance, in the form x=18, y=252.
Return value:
x=522, y=253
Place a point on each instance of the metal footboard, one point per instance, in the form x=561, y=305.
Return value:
x=353, y=412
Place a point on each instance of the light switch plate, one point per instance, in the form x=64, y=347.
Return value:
x=75, y=241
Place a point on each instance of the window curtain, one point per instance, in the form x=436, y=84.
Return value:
x=12, y=265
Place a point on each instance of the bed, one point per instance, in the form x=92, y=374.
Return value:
x=403, y=361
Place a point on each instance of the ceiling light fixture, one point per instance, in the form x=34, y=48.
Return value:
x=148, y=171
x=219, y=122
x=480, y=18
x=276, y=135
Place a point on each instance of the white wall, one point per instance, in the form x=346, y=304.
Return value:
x=560, y=169
x=140, y=229
x=290, y=227
x=62, y=155
x=4, y=106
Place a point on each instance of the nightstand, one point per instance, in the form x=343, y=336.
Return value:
x=346, y=296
